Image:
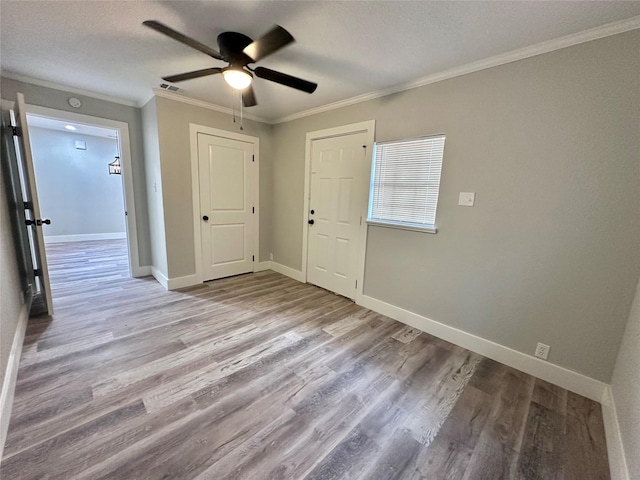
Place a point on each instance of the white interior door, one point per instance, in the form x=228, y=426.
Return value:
x=227, y=178
x=337, y=207
x=34, y=218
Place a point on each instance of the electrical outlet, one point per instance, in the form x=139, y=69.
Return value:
x=271, y=257
x=542, y=351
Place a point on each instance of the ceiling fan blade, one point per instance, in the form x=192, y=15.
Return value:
x=270, y=42
x=189, y=75
x=249, y=97
x=287, y=80
x=170, y=32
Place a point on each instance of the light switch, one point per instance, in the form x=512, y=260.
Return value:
x=467, y=199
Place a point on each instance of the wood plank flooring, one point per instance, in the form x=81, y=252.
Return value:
x=261, y=377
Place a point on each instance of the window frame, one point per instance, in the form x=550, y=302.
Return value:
x=410, y=226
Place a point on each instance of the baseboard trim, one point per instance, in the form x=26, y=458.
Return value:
x=182, y=282
x=160, y=277
x=563, y=377
x=615, y=447
x=262, y=266
x=84, y=237
x=11, y=375
x=288, y=271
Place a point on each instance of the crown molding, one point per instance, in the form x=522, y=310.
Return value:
x=504, y=58
x=66, y=88
x=596, y=33
x=159, y=92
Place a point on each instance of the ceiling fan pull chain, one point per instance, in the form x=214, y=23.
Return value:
x=233, y=103
x=241, y=120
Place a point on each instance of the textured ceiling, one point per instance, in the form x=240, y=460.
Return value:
x=348, y=48
x=61, y=125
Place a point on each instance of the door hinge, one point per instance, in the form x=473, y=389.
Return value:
x=28, y=205
x=253, y=209
x=253, y=158
x=356, y=283
x=253, y=258
x=37, y=272
x=38, y=222
x=15, y=131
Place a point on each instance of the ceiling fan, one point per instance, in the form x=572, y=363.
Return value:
x=239, y=51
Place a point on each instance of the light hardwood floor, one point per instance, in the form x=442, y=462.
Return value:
x=261, y=377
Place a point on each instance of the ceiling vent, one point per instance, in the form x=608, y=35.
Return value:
x=171, y=88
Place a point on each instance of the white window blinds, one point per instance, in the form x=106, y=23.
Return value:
x=405, y=182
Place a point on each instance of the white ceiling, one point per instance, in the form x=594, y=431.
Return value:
x=61, y=125
x=348, y=48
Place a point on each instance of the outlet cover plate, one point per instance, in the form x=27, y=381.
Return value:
x=542, y=351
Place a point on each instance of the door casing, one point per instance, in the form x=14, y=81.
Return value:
x=135, y=269
x=368, y=128
x=194, y=129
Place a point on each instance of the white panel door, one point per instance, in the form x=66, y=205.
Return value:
x=337, y=205
x=227, y=179
x=22, y=143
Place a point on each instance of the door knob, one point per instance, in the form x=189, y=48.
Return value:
x=205, y=218
x=311, y=222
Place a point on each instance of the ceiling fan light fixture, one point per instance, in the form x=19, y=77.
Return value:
x=237, y=78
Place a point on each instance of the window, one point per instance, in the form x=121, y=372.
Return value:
x=405, y=182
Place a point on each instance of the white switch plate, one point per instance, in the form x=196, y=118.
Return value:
x=467, y=199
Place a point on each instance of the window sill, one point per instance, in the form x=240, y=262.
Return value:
x=400, y=226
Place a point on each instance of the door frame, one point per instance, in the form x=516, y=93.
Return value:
x=194, y=130
x=367, y=127
x=135, y=269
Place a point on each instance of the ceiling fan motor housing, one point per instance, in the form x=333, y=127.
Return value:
x=231, y=45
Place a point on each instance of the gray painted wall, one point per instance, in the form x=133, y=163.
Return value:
x=57, y=99
x=175, y=154
x=550, y=145
x=154, y=187
x=11, y=297
x=625, y=387
x=75, y=189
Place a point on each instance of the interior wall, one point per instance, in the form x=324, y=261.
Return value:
x=548, y=254
x=153, y=179
x=11, y=295
x=625, y=387
x=75, y=189
x=57, y=99
x=175, y=154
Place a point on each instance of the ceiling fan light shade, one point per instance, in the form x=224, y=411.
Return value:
x=237, y=78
